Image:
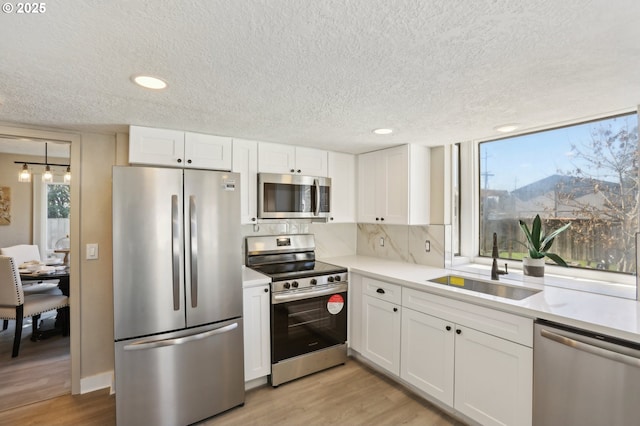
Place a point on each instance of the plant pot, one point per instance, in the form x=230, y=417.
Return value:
x=533, y=267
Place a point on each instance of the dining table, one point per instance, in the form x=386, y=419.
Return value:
x=62, y=317
x=36, y=277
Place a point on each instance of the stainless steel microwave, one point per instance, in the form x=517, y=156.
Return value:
x=293, y=196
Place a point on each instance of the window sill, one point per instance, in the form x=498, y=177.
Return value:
x=624, y=286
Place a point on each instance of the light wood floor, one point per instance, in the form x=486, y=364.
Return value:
x=345, y=395
x=41, y=371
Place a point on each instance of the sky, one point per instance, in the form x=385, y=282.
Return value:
x=514, y=162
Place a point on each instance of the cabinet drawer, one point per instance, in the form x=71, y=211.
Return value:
x=382, y=290
x=501, y=324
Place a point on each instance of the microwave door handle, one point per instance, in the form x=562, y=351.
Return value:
x=316, y=183
x=193, y=247
x=175, y=251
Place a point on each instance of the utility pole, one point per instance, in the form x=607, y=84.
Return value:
x=486, y=173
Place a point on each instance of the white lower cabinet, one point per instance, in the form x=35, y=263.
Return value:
x=477, y=360
x=482, y=376
x=381, y=333
x=257, y=345
x=467, y=357
x=428, y=354
x=494, y=379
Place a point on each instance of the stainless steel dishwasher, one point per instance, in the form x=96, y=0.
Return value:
x=584, y=378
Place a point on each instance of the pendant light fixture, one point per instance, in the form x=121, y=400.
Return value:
x=25, y=174
x=47, y=176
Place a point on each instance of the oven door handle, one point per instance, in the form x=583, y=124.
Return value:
x=307, y=294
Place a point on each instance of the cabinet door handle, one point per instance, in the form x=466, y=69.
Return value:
x=381, y=291
x=179, y=160
x=458, y=331
x=266, y=290
x=448, y=328
x=293, y=171
x=382, y=218
x=395, y=309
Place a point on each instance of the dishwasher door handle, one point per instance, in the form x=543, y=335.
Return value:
x=595, y=350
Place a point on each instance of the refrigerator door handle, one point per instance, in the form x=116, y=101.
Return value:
x=193, y=247
x=316, y=183
x=175, y=251
x=153, y=344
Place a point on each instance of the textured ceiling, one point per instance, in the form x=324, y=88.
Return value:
x=321, y=73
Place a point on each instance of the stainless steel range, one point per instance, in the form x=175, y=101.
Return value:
x=308, y=305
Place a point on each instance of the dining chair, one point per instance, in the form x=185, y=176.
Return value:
x=14, y=305
x=23, y=253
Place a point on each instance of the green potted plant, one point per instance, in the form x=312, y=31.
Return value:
x=538, y=245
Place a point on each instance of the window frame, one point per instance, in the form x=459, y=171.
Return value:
x=40, y=212
x=470, y=212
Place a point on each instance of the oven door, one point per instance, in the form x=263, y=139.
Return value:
x=293, y=196
x=302, y=326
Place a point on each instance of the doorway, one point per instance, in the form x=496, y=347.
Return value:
x=60, y=355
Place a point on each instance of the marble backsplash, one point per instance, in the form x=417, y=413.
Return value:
x=406, y=243
x=332, y=239
x=396, y=242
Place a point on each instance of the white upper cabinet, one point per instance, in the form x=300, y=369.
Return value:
x=393, y=186
x=342, y=171
x=245, y=162
x=175, y=148
x=289, y=159
x=156, y=146
x=207, y=151
x=312, y=162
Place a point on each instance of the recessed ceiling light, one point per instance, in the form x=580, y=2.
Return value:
x=382, y=131
x=149, y=82
x=506, y=128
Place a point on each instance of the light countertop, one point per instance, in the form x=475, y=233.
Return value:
x=608, y=315
x=251, y=278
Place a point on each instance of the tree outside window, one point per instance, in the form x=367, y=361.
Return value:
x=58, y=208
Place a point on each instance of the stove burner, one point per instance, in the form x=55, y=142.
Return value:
x=283, y=271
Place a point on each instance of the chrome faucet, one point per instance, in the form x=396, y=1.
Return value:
x=495, y=272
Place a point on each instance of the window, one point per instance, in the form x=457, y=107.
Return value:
x=51, y=208
x=585, y=174
x=57, y=224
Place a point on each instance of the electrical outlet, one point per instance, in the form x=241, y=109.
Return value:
x=381, y=241
x=427, y=246
x=92, y=251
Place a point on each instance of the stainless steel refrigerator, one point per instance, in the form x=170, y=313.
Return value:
x=177, y=294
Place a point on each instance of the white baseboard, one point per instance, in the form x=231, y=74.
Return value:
x=260, y=381
x=96, y=382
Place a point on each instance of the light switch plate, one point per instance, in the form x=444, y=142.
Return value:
x=92, y=251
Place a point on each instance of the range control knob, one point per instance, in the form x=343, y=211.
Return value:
x=330, y=279
x=294, y=284
x=337, y=278
x=313, y=281
x=286, y=285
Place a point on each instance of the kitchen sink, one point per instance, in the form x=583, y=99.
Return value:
x=486, y=287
